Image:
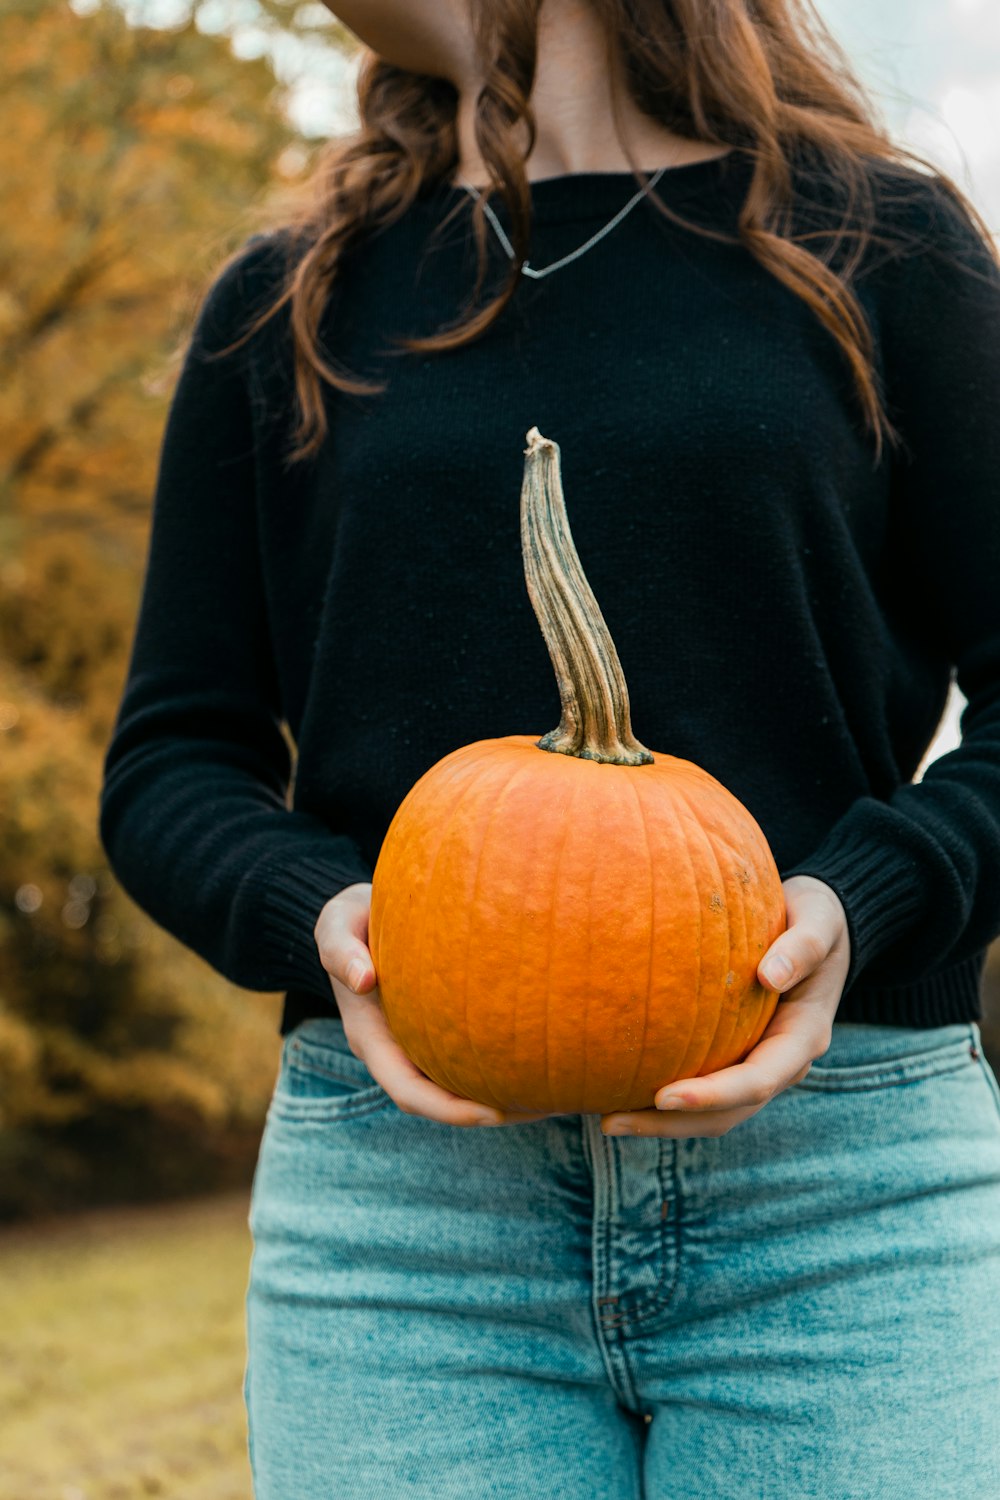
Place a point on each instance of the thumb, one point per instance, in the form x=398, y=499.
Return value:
x=343, y=954
x=816, y=922
x=355, y=968
x=342, y=938
x=799, y=950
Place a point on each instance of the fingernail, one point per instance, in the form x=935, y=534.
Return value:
x=616, y=1129
x=487, y=1120
x=777, y=970
x=356, y=971
x=670, y=1101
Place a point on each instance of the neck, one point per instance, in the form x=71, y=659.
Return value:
x=572, y=102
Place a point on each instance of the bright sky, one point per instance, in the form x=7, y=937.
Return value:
x=934, y=66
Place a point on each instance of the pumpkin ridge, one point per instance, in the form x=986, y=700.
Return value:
x=521, y=932
x=753, y=828
x=751, y=962
x=706, y=843
x=652, y=923
x=567, y=825
x=517, y=773
x=375, y=933
x=595, y=871
x=686, y=1071
x=724, y=884
x=692, y=820
x=765, y=992
x=428, y=890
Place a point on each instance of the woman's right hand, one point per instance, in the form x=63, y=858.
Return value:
x=341, y=934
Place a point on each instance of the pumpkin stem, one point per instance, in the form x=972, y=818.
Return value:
x=595, y=723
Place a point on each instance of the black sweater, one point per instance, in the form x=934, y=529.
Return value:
x=788, y=614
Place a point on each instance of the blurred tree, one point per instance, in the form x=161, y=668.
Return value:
x=133, y=161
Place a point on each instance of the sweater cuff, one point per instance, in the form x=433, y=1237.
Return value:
x=291, y=896
x=880, y=886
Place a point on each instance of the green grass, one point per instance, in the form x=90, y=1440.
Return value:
x=122, y=1351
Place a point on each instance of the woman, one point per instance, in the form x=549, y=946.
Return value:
x=775, y=381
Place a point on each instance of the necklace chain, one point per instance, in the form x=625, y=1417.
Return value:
x=528, y=270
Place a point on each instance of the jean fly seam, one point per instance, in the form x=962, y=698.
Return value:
x=605, y=1324
x=656, y=1301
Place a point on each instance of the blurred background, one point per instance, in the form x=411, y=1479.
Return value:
x=141, y=138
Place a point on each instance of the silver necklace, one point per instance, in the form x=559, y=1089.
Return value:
x=526, y=269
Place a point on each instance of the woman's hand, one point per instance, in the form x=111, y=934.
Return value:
x=341, y=934
x=809, y=964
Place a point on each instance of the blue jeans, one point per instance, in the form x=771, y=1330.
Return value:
x=808, y=1306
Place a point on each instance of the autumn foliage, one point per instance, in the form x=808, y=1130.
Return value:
x=132, y=161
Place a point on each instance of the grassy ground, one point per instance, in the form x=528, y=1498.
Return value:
x=122, y=1354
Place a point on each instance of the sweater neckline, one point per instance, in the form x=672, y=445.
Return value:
x=583, y=195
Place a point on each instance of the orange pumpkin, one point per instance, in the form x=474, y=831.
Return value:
x=568, y=923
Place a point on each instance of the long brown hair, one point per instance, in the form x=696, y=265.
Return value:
x=764, y=76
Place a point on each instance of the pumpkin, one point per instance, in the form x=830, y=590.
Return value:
x=567, y=923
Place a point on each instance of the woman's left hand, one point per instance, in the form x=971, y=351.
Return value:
x=808, y=964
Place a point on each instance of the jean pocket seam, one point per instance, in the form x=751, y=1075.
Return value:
x=869, y=1078
x=298, y=1064
x=365, y=1101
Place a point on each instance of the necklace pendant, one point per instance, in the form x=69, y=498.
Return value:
x=527, y=270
